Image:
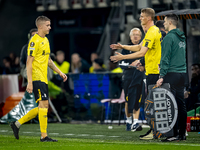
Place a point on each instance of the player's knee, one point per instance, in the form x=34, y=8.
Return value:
x=43, y=104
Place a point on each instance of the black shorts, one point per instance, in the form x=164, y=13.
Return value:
x=133, y=89
x=40, y=90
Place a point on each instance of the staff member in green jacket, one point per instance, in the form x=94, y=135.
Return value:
x=173, y=71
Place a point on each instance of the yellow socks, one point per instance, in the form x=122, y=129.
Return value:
x=30, y=115
x=43, y=119
x=42, y=115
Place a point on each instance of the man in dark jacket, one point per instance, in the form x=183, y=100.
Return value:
x=173, y=71
x=23, y=57
x=132, y=84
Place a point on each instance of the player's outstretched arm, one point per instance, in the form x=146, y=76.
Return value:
x=126, y=47
x=54, y=68
x=136, y=55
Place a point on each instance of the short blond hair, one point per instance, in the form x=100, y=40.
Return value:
x=41, y=19
x=149, y=12
x=135, y=29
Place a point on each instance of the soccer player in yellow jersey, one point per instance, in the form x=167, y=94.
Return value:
x=150, y=48
x=37, y=63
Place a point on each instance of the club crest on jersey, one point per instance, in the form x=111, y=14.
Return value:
x=32, y=44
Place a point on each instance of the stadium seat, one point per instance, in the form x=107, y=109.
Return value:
x=88, y=3
x=119, y=101
x=107, y=110
x=112, y=101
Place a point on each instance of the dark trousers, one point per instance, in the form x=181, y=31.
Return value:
x=176, y=81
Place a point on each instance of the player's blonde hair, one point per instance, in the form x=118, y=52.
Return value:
x=149, y=12
x=41, y=19
x=135, y=29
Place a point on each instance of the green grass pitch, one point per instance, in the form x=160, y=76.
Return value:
x=88, y=137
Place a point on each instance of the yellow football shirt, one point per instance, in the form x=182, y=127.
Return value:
x=64, y=67
x=152, y=40
x=39, y=48
x=117, y=70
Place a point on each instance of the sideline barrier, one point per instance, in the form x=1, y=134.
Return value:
x=25, y=105
x=90, y=89
x=8, y=86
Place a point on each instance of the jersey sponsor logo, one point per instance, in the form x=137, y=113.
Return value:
x=31, y=52
x=31, y=48
x=32, y=44
x=43, y=53
x=146, y=44
x=147, y=40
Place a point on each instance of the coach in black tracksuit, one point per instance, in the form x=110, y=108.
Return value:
x=132, y=82
x=173, y=71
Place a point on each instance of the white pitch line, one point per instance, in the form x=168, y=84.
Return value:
x=54, y=133
x=113, y=136
x=3, y=130
x=83, y=134
x=98, y=135
x=28, y=132
x=68, y=134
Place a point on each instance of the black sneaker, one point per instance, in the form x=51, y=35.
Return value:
x=128, y=127
x=148, y=132
x=15, y=130
x=139, y=128
x=48, y=139
x=134, y=127
x=170, y=139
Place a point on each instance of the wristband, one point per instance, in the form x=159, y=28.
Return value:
x=161, y=76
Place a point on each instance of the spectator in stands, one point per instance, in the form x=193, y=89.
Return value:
x=195, y=70
x=78, y=64
x=98, y=65
x=93, y=56
x=7, y=68
x=14, y=62
x=194, y=89
x=114, y=68
x=61, y=63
